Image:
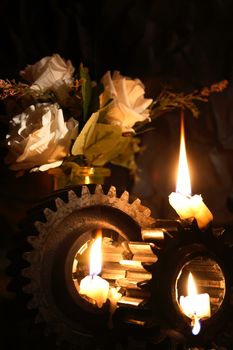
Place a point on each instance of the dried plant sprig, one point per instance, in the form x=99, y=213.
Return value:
x=217, y=87
x=11, y=88
x=75, y=88
x=169, y=100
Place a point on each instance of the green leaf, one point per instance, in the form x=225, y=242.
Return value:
x=126, y=156
x=105, y=144
x=86, y=90
x=97, y=89
x=85, y=135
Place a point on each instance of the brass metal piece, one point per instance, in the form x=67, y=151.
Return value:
x=114, y=275
x=127, y=283
x=132, y=265
x=140, y=248
x=89, y=175
x=136, y=322
x=152, y=258
x=153, y=234
x=139, y=276
x=125, y=301
x=81, y=175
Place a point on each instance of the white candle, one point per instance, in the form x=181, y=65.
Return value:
x=187, y=206
x=95, y=288
x=198, y=305
x=195, y=306
x=93, y=285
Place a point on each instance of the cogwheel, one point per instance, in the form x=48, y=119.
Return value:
x=68, y=221
x=208, y=254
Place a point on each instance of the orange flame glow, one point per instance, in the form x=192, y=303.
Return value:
x=183, y=184
x=192, y=289
x=96, y=255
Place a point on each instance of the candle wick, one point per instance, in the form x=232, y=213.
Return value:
x=186, y=195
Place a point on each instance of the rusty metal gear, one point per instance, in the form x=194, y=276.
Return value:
x=65, y=225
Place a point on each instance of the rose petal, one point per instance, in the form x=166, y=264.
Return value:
x=46, y=72
x=46, y=167
x=129, y=105
x=47, y=137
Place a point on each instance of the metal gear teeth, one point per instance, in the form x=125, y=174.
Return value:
x=112, y=192
x=136, y=203
x=40, y=226
x=125, y=197
x=27, y=256
x=59, y=202
x=147, y=212
x=135, y=210
x=72, y=197
x=34, y=241
x=49, y=214
x=85, y=192
x=99, y=189
x=26, y=272
x=145, y=285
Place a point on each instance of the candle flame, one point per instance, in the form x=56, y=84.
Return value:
x=192, y=289
x=196, y=325
x=96, y=255
x=195, y=306
x=183, y=184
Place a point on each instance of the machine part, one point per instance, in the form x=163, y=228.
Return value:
x=210, y=258
x=149, y=311
x=60, y=234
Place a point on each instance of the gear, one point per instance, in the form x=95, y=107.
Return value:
x=67, y=221
x=59, y=235
x=186, y=244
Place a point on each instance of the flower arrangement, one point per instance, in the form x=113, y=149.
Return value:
x=69, y=125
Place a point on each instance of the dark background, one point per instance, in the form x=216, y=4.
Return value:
x=186, y=44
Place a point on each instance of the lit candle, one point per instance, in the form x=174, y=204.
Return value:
x=93, y=285
x=194, y=305
x=187, y=206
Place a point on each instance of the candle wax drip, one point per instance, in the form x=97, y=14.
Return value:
x=196, y=325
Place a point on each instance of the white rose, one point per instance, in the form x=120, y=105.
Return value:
x=48, y=72
x=128, y=106
x=39, y=138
